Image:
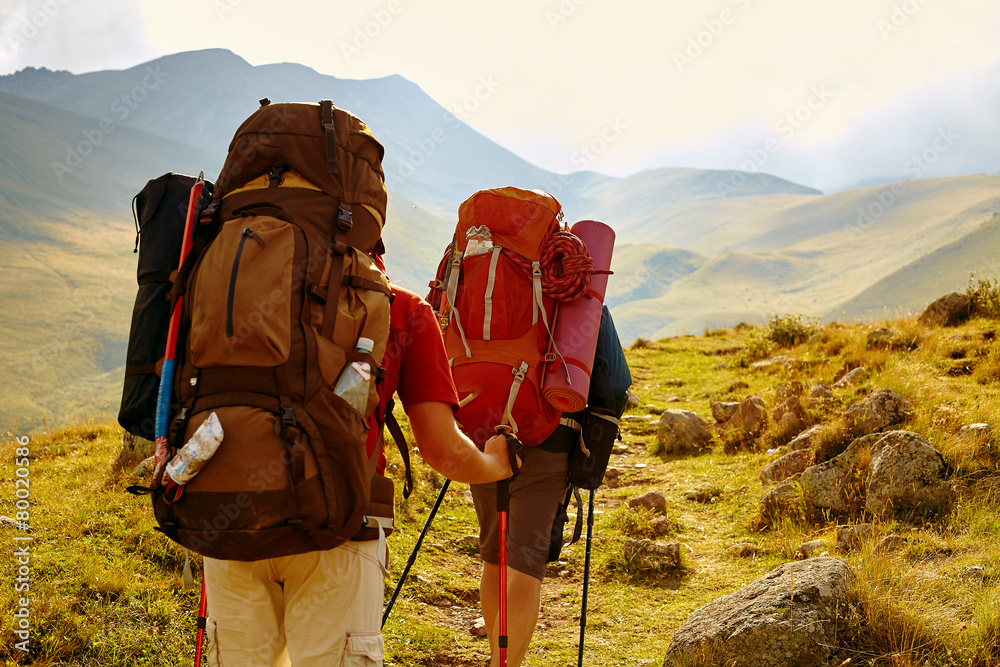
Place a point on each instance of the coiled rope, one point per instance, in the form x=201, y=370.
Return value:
x=566, y=266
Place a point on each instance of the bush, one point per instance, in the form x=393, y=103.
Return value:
x=788, y=330
x=984, y=297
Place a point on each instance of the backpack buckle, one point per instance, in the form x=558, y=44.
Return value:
x=287, y=417
x=344, y=220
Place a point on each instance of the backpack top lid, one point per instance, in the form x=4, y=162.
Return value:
x=519, y=220
x=296, y=134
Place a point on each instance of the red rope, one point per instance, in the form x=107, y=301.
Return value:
x=566, y=265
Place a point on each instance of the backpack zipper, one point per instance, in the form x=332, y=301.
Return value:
x=247, y=233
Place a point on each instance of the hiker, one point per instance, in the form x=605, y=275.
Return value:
x=328, y=604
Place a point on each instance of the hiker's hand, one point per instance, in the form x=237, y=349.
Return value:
x=496, y=449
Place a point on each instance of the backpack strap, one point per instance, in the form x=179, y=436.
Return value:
x=326, y=118
x=397, y=435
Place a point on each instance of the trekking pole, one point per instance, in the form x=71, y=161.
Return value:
x=586, y=578
x=503, y=508
x=202, y=622
x=416, y=548
x=167, y=372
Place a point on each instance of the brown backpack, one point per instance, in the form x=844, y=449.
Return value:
x=273, y=309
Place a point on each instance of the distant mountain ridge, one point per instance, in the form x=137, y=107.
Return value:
x=695, y=248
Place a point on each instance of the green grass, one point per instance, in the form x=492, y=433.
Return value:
x=107, y=589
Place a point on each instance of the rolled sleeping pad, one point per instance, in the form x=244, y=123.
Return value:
x=578, y=324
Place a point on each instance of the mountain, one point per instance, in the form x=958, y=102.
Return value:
x=695, y=248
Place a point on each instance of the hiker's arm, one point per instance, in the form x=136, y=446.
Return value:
x=450, y=452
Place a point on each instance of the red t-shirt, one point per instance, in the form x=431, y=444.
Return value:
x=415, y=361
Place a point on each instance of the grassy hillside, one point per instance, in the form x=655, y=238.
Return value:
x=945, y=270
x=107, y=590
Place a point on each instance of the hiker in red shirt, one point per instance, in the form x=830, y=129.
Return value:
x=324, y=607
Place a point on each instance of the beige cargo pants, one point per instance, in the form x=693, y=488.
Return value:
x=318, y=609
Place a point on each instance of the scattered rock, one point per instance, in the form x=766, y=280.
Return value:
x=650, y=555
x=724, y=366
x=612, y=478
x=787, y=391
x=743, y=550
x=782, y=360
x=747, y=422
x=468, y=542
x=705, y=492
x=788, y=465
x=7, y=522
x=145, y=467
x=779, y=501
x=974, y=573
x=641, y=344
x=620, y=449
x=633, y=400
x=661, y=525
x=881, y=338
x=891, y=542
x=722, y=411
x=852, y=378
x=813, y=548
x=880, y=409
x=948, y=311
x=652, y=409
x=478, y=628
x=683, y=431
x=976, y=432
x=906, y=477
x=651, y=500
x=806, y=439
x=821, y=391
x=787, y=618
x=851, y=538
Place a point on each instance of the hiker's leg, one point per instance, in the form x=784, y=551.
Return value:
x=333, y=604
x=534, y=498
x=246, y=611
x=523, y=597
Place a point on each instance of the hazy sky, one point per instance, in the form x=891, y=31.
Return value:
x=829, y=94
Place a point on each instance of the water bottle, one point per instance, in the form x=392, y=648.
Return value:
x=352, y=385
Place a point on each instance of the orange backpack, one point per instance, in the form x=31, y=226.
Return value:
x=496, y=294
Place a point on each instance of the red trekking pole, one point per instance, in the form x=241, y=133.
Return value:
x=503, y=507
x=202, y=621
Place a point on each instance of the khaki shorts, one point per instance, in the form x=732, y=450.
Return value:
x=322, y=608
x=534, y=498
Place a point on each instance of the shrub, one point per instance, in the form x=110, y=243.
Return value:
x=788, y=330
x=984, y=297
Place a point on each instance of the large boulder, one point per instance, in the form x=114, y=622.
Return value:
x=948, y=311
x=906, y=477
x=877, y=411
x=894, y=474
x=682, y=431
x=787, y=618
x=838, y=484
x=722, y=411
